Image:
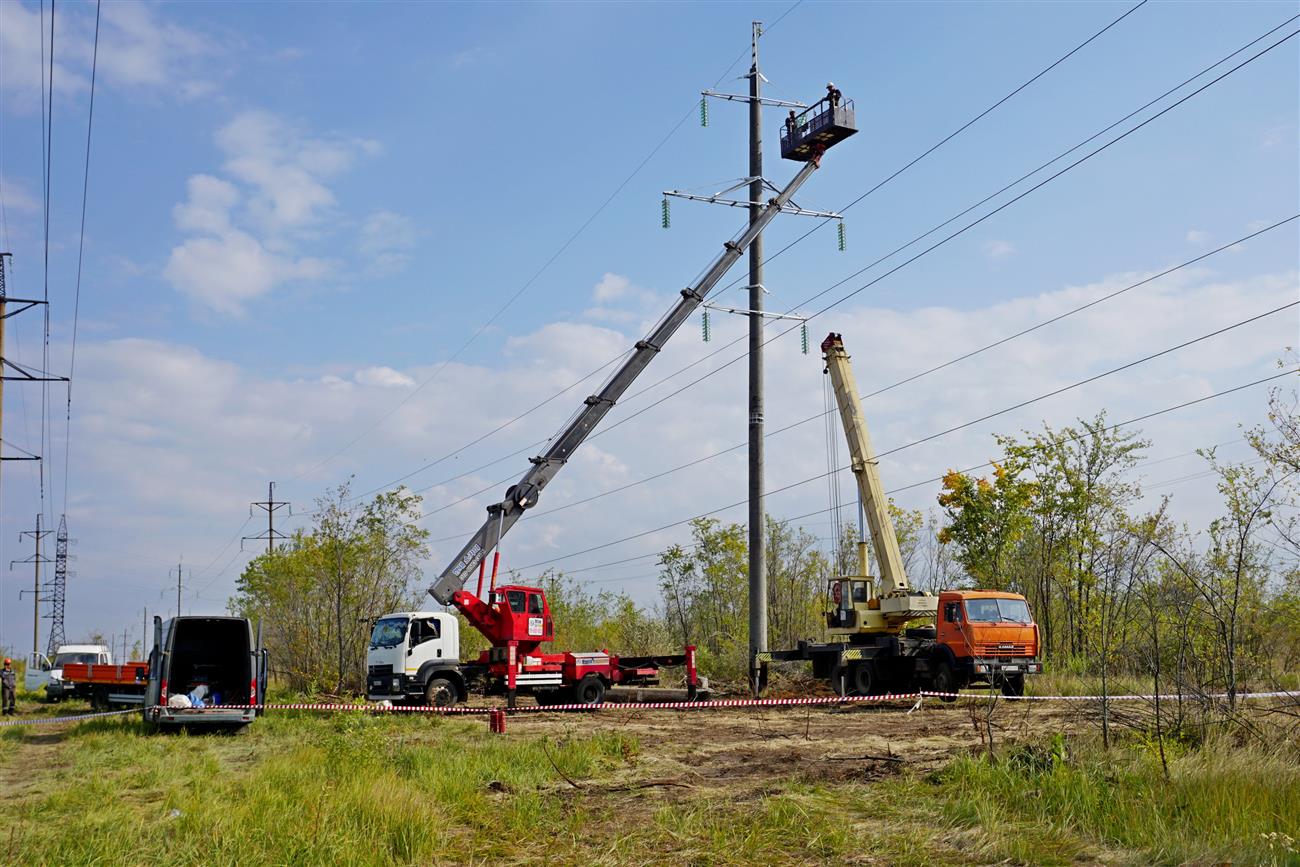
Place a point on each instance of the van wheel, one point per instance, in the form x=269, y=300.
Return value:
x=945, y=681
x=590, y=690
x=1013, y=684
x=440, y=692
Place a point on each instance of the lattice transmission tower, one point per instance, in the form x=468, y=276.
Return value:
x=58, y=589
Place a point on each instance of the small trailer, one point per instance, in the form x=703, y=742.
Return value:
x=107, y=685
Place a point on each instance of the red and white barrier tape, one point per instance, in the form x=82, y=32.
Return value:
x=710, y=704
x=54, y=719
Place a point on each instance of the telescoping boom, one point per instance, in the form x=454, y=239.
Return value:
x=524, y=493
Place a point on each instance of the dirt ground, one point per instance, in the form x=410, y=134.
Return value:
x=746, y=750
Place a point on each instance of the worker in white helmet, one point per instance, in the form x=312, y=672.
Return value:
x=833, y=94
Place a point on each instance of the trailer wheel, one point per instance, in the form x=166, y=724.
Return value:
x=439, y=692
x=945, y=681
x=590, y=690
x=1013, y=684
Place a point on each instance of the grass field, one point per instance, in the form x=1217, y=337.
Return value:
x=866, y=785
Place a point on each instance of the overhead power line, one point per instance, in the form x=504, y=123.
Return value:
x=961, y=231
x=81, y=247
x=943, y=433
x=540, y=271
x=940, y=243
x=906, y=380
x=936, y=146
x=929, y=481
x=886, y=257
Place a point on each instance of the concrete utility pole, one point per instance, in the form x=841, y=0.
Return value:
x=757, y=528
x=36, y=559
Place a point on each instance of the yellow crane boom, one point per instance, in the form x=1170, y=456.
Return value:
x=888, y=607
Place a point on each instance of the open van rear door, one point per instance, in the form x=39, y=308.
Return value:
x=258, y=695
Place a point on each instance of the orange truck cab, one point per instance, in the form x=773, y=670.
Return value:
x=983, y=637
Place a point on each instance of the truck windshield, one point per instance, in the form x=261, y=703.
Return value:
x=389, y=632
x=997, y=611
x=63, y=659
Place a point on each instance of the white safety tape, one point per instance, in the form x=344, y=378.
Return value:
x=41, y=720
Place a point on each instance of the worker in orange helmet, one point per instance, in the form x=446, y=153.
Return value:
x=8, y=685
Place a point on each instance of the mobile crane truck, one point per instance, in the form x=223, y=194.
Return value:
x=415, y=655
x=980, y=636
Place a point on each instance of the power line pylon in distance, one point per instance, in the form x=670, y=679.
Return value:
x=270, y=505
x=58, y=589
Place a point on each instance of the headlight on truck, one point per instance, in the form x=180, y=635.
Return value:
x=397, y=683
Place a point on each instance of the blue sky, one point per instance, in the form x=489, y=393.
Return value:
x=298, y=212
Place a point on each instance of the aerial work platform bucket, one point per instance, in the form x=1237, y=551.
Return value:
x=816, y=129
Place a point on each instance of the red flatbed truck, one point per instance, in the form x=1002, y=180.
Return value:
x=107, y=684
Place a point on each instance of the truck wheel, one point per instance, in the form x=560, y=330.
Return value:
x=590, y=690
x=440, y=692
x=945, y=681
x=865, y=678
x=1013, y=684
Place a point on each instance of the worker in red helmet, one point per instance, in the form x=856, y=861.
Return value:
x=8, y=686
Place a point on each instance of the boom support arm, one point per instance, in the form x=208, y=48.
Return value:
x=524, y=493
x=875, y=503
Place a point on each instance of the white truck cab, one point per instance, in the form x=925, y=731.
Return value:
x=415, y=656
x=47, y=673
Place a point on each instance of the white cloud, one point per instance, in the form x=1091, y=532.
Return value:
x=246, y=229
x=383, y=377
x=226, y=271
x=618, y=300
x=611, y=287
x=172, y=443
x=997, y=250
x=385, y=240
x=208, y=207
x=1198, y=236
x=285, y=169
x=139, y=51
x=18, y=198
